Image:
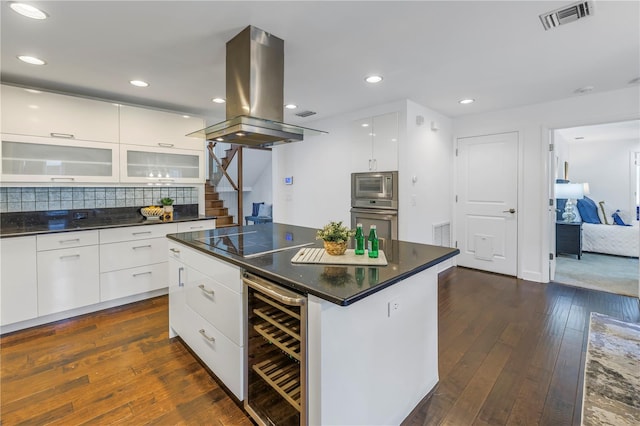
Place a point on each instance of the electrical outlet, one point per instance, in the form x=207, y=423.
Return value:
x=393, y=306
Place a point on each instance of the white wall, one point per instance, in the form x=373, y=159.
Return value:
x=605, y=165
x=321, y=167
x=533, y=123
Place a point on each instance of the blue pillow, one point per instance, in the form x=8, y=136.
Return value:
x=256, y=207
x=588, y=210
x=617, y=219
x=265, y=210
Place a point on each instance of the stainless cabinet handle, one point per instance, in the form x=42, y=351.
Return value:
x=195, y=227
x=375, y=164
x=284, y=296
x=139, y=247
x=73, y=240
x=62, y=135
x=369, y=164
x=140, y=233
x=166, y=145
x=512, y=211
x=203, y=288
x=175, y=250
x=55, y=179
x=68, y=256
x=142, y=273
x=204, y=334
x=166, y=180
x=180, y=283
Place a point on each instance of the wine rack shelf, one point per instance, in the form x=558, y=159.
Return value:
x=285, y=379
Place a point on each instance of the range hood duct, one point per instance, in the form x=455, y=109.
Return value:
x=255, y=94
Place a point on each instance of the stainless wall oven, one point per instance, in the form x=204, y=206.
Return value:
x=374, y=201
x=275, y=353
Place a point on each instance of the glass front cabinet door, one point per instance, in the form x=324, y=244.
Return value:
x=40, y=159
x=161, y=165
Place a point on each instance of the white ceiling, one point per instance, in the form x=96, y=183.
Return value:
x=434, y=53
x=607, y=132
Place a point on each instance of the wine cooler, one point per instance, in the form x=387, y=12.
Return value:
x=275, y=350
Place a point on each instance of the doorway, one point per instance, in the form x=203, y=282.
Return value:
x=603, y=160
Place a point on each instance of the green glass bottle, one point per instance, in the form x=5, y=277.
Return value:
x=359, y=240
x=373, y=243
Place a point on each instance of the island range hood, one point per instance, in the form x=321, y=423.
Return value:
x=255, y=94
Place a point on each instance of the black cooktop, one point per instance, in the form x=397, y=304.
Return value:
x=251, y=243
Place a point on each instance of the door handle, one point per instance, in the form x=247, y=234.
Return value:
x=512, y=211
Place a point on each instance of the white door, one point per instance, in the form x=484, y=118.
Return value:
x=486, y=210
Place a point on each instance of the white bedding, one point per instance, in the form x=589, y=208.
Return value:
x=611, y=239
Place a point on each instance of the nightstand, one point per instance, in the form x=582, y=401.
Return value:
x=569, y=238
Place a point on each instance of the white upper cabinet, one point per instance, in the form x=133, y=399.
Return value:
x=140, y=126
x=375, y=142
x=52, y=160
x=149, y=165
x=37, y=113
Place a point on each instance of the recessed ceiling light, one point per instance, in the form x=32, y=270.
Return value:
x=365, y=124
x=31, y=60
x=585, y=89
x=291, y=106
x=218, y=100
x=373, y=79
x=466, y=101
x=139, y=83
x=240, y=134
x=220, y=139
x=28, y=10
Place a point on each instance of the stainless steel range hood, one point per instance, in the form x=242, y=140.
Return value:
x=255, y=94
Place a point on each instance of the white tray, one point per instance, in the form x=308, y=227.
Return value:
x=319, y=255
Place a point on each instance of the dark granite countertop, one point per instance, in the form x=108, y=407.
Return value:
x=341, y=285
x=46, y=222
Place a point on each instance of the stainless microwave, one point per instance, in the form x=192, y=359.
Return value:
x=374, y=190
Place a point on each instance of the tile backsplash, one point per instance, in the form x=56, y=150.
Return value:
x=65, y=198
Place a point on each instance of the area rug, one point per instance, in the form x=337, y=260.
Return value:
x=611, y=393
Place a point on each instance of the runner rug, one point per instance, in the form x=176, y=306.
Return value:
x=611, y=394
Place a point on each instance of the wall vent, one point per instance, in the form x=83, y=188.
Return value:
x=305, y=113
x=442, y=234
x=566, y=14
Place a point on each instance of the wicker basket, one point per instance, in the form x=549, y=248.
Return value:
x=335, y=249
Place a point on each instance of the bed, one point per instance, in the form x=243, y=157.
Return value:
x=611, y=239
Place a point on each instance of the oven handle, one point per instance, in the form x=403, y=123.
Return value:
x=277, y=293
x=375, y=211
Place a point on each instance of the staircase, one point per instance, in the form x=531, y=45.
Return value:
x=214, y=206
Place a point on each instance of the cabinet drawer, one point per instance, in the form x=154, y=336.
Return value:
x=130, y=254
x=64, y=240
x=67, y=279
x=223, y=273
x=132, y=233
x=215, y=303
x=221, y=355
x=127, y=282
x=197, y=225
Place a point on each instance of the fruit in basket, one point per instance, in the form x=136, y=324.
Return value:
x=152, y=211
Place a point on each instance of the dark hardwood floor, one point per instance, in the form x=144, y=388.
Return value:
x=511, y=352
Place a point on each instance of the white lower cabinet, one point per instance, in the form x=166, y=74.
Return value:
x=18, y=280
x=67, y=279
x=118, y=284
x=206, y=311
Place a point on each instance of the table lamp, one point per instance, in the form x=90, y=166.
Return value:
x=569, y=191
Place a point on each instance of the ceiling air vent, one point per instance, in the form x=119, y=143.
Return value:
x=566, y=14
x=305, y=113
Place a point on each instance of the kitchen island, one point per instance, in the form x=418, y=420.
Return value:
x=371, y=332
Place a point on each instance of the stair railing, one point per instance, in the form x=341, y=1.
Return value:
x=216, y=173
